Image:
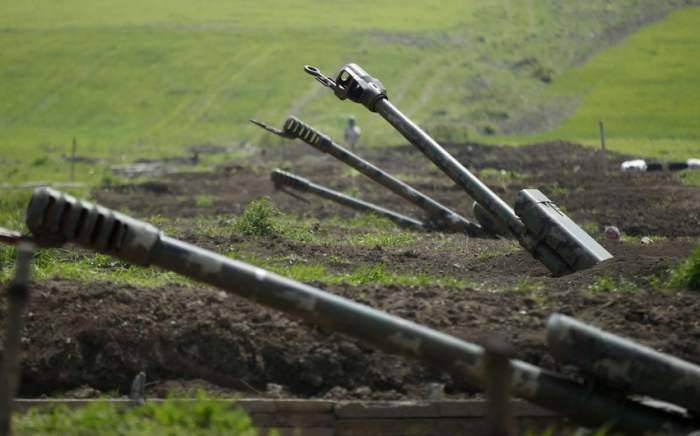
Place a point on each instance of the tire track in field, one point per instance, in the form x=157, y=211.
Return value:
x=52, y=96
x=397, y=93
x=228, y=80
x=180, y=114
x=428, y=90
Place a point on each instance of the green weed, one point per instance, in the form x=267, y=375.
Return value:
x=259, y=219
x=370, y=274
x=690, y=177
x=204, y=201
x=365, y=220
x=350, y=172
x=591, y=228
x=560, y=191
x=382, y=239
x=607, y=283
x=501, y=176
x=687, y=274
x=352, y=191
x=202, y=416
x=338, y=260
x=528, y=285
x=301, y=272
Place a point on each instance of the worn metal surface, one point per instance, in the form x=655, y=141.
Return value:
x=623, y=364
x=114, y=234
x=549, y=224
x=296, y=129
x=356, y=85
x=284, y=178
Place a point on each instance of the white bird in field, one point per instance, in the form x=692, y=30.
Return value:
x=351, y=133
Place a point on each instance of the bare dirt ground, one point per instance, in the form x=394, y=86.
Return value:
x=100, y=335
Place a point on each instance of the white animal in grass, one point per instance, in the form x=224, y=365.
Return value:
x=352, y=133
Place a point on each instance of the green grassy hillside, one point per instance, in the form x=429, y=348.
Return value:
x=646, y=91
x=141, y=79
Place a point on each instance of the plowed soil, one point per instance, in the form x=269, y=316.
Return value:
x=89, y=338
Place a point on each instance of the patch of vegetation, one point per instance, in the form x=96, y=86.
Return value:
x=560, y=191
x=203, y=416
x=643, y=90
x=687, y=274
x=352, y=191
x=591, y=228
x=365, y=220
x=338, y=260
x=382, y=239
x=350, y=172
x=262, y=218
x=302, y=272
x=204, y=201
x=189, y=74
x=499, y=175
x=371, y=274
x=448, y=132
x=528, y=285
x=690, y=177
x=607, y=283
x=259, y=219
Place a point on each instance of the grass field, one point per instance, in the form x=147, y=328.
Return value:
x=146, y=79
x=645, y=90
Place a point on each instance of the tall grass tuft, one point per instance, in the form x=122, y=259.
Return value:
x=174, y=416
x=687, y=274
x=258, y=219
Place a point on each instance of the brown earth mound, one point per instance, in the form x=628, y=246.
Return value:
x=102, y=334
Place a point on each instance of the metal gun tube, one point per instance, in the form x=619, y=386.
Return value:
x=358, y=86
x=474, y=187
x=296, y=128
x=624, y=364
x=288, y=179
x=58, y=217
x=451, y=167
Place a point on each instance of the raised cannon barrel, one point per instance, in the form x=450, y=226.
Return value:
x=295, y=128
x=55, y=217
x=546, y=232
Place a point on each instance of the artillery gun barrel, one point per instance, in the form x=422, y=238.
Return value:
x=451, y=167
x=544, y=231
x=288, y=179
x=56, y=217
x=621, y=363
x=295, y=128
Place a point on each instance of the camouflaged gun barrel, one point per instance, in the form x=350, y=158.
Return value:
x=295, y=128
x=539, y=226
x=284, y=178
x=54, y=217
x=623, y=364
